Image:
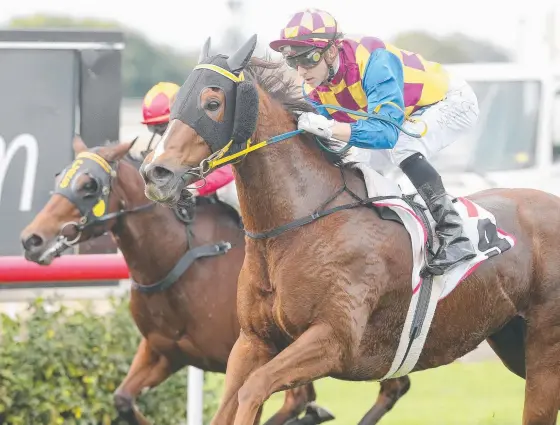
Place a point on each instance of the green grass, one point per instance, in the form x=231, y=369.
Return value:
x=461, y=393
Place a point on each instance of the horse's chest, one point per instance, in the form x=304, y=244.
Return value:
x=159, y=318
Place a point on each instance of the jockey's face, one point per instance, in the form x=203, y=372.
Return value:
x=311, y=64
x=158, y=128
x=316, y=75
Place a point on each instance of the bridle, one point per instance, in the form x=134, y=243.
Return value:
x=93, y=210
x=221, y=157
x=92, y=205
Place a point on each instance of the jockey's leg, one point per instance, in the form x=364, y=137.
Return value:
x=228, y=194
x=446, y=121
x=377, y=159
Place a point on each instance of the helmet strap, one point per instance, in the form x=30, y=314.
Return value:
x=333, y=69
x=331, y=74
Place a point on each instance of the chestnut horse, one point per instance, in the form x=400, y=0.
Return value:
x=328, y=295
x=191, y=319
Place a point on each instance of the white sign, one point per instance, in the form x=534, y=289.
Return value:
x=7, y=153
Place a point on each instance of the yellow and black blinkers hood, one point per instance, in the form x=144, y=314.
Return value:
x=241, y=98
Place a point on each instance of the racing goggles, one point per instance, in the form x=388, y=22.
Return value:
x=307, y=59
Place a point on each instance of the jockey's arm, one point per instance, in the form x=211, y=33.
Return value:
x=382, y=83
x=215, y=180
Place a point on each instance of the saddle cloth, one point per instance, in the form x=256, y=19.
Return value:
x=480, y=227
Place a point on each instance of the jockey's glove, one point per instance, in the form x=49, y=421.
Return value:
x=316, y=124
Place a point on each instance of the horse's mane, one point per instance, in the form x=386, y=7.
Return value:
x=274, y=78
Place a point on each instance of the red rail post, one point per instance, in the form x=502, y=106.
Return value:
x=67, y=268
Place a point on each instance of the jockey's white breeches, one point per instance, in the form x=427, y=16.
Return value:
x=228, y=194
x=446, y=120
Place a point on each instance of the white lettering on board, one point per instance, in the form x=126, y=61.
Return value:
x=7, y=152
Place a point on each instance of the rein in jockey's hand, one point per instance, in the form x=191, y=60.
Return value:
x=323, y=127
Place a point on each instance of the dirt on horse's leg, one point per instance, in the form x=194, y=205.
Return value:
x=148, y=369
x=542, y=386
x=391, y=390
x=295, y=401
x=313, y=355
x=246, y=355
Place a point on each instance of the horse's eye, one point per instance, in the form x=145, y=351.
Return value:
x=90, y=186
x=212, y=105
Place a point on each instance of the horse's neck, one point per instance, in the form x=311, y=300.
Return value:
x=280, y=183
x=151, y=241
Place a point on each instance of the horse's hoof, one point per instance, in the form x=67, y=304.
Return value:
x=321, y=413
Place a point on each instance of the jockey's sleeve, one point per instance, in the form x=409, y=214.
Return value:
x=216, y=179
x=382, y=82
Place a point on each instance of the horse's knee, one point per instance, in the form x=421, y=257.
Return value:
x=393, y=389
x=254, y=391
x=123, y=401
x=404, y=382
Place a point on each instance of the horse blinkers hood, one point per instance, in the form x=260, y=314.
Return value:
x=241, y=98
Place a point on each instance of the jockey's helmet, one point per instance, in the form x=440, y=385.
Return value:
x=157, y=104
x=307, y=35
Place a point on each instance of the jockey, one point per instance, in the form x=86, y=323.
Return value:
x=366, y=74
x=155, y=110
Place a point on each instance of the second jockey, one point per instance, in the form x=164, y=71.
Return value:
x=155, y=111
x=369, y=75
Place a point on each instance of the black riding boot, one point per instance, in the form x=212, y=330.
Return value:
x=454, y=247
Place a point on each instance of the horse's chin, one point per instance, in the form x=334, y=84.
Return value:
x=167, y=195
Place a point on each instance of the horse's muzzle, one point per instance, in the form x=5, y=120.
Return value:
x=162, y=184
x=36, y=248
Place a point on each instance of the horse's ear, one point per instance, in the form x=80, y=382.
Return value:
x=120, y=150
x=205, y=52
x=78, y=145
x=239, y=60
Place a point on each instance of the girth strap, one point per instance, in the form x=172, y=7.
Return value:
x=182, y=266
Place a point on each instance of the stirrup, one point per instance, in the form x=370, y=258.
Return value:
x=429, y=270
x=435, y=270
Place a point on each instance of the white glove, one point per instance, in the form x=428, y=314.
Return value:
x=316, y=124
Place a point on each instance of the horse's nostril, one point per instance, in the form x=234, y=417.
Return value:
x=161, y=173
x=33, y=241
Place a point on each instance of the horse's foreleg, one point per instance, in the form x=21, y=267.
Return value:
x=295, y=401
x=148, y=369
x=542, y=385
x=391, y=390
x=313, y=355
x=246, y=355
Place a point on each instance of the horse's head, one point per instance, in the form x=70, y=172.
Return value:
x=83, y=204
x=215, y=113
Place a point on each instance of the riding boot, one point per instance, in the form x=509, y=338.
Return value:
x=454, y=246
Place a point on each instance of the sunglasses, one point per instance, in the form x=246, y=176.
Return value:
x=307, y=60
